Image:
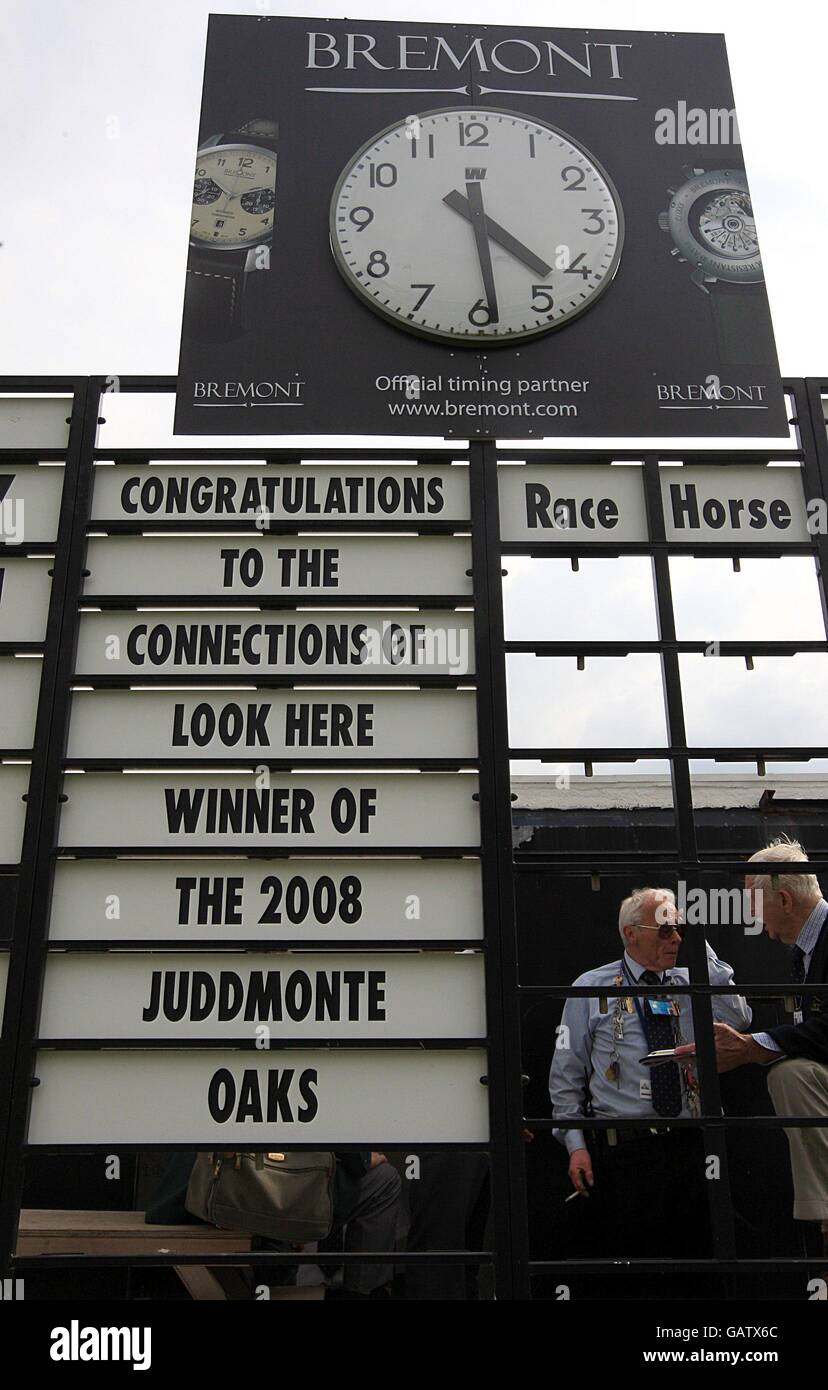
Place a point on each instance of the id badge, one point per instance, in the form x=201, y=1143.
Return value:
x=798, y=1016
x=661, y=1006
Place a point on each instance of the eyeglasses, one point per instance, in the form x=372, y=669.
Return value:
x=665, y=931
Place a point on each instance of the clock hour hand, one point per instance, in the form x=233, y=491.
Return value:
x=495, y=232
x=484, y=251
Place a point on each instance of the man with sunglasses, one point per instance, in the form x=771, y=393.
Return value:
x=638, y=1175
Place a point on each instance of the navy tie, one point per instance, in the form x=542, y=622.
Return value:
x=797, y=965
x=665, y=1080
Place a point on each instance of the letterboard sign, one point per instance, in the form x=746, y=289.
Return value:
x=296, y=724
x=584, y=505
x=227, y=810
x=267, y=901
x=324, y=1097
x=257, y=997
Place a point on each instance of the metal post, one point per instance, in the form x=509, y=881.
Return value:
x=28, y=955
x=721, y=1209
x=502, y=999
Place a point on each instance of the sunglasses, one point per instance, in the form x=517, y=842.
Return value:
x=665, y=931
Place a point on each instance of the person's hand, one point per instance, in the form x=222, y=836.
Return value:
x=580, y=1171
x=733, y=1049
x=377, y=1159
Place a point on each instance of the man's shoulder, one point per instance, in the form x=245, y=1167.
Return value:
x=819, y=958
x=605, y=974
x=601, y=975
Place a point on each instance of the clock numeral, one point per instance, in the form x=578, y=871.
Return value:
x=578, y=182
x=466, y=137
x=541, y=292
x=377, y=265
x=597, y=216
x=415, y=146
x=382, y=175
x=360, y=221
x=423, y=297
x=575, y=269
x=531, y=145
x=481, y=307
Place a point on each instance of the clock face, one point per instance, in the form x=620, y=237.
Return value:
x=233, y=196
x=476, y=226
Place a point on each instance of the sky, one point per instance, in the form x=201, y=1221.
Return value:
x=99, y=107
x=99, y=110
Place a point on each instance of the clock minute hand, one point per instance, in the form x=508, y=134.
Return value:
x=459, y=204
x=478, y=219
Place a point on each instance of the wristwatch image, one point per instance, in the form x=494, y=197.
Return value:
x=710, y=219
x=234, y=198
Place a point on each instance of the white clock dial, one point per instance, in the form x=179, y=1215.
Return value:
x=476, y=226
x=233, y=196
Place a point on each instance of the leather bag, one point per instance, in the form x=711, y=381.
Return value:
x=285, y=1196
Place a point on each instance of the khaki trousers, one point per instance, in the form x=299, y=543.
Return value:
x=799, y=1087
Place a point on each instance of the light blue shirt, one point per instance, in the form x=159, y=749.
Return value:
x=806, y=941
x=585, y=1046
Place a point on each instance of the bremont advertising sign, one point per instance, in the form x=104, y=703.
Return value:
x=421, y=229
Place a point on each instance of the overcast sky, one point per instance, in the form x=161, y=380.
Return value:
x=100, y=102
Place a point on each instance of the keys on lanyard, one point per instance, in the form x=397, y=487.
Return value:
x=613, y=1071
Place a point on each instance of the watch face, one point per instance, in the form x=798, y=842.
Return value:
x=476, y=226
x=726, y=224
x=233, y=197
x=712, y=224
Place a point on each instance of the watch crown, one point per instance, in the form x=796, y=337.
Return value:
x=664, y=221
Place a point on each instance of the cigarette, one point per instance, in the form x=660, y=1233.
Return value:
x=571, y=1197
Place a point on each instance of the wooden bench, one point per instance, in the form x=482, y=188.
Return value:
x=57, y=1232
x=47, y=1231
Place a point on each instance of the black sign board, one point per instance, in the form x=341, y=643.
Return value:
x=408, y=228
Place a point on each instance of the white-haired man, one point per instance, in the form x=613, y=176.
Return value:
x=597, y=1067
x=793, y=910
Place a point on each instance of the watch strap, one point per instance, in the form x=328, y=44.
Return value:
x=214, y=299
x=254, y=132
x=742, y=322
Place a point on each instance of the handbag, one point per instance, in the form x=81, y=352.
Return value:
x=285, y=1196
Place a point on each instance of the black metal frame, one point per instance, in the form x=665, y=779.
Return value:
x=42, y=794
x=812, y=455
x=499, y=863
